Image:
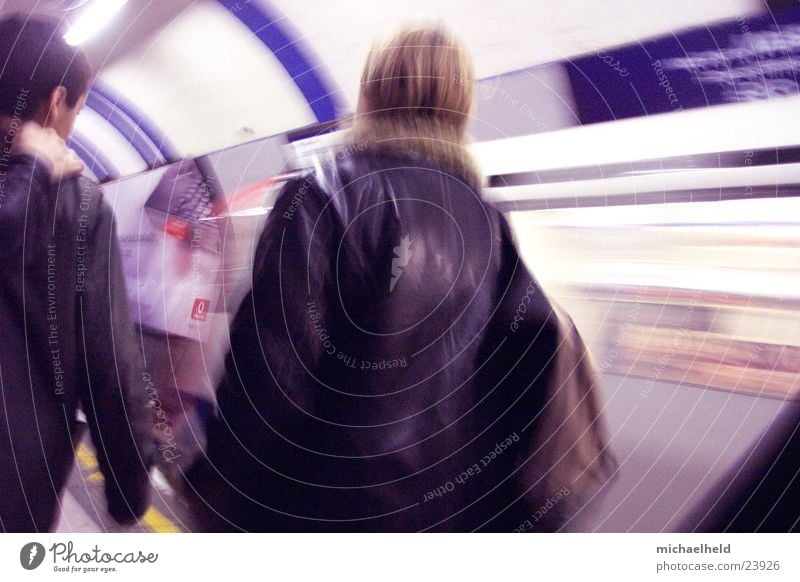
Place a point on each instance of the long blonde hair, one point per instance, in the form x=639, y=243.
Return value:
x=416, y=95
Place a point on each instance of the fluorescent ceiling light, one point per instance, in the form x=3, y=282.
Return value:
x=98, y=14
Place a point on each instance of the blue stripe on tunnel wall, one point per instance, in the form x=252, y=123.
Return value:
x=145, y=125
x=127, y=127
x=265, y=24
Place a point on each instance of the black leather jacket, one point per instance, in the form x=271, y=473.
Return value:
x=67, y=340
x=397, y=368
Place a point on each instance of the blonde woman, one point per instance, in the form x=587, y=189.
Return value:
x=396, y=367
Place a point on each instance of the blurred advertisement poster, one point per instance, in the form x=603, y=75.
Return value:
x=171, y=224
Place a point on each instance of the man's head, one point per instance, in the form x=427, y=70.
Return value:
x=42, y=78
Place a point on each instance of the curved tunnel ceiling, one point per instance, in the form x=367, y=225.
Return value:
x=209, y=74
x=502, y=36
x=208, y=83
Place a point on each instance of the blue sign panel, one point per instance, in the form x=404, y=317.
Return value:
x=743, y=60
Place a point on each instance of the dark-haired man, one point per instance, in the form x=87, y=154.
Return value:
x=68, y=341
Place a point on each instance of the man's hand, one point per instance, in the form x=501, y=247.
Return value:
x=49, y=149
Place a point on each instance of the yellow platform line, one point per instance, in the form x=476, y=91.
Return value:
x=96, y=477
x=152, y=519
x=157, y=522
x=86, y=457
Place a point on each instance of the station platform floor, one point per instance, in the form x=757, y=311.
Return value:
x=672, y=442
x=83, y=505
